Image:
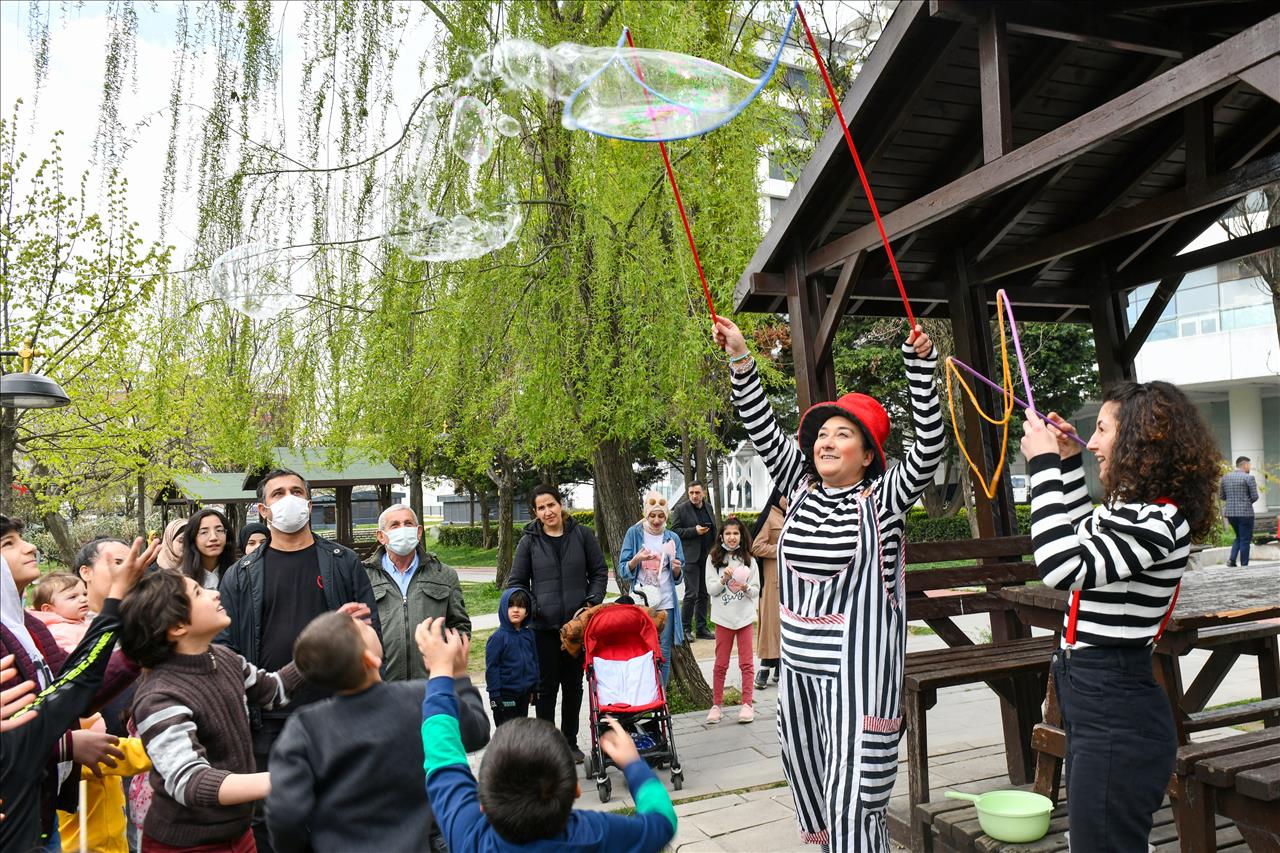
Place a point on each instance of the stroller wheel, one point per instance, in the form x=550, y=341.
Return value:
x=677, y=780
x=605, y=790
x=589, y=765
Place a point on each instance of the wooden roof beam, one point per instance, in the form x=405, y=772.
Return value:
x=993, y=72
x=1265, y=77
x=1053, y=22
x=1130, y=220
x=849, y=275
x=1208, y=72
x=1218, y=253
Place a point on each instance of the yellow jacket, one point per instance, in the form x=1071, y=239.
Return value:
x=104, y=803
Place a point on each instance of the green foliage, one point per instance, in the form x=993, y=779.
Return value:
x=465, y=536
x=921, y=528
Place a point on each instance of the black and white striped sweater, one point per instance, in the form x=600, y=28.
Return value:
x=1126, y=559
x=821, y=535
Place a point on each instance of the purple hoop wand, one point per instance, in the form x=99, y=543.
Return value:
x=1017, y=348
x=976, y=375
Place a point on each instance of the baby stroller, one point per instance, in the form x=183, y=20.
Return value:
x=624, y=680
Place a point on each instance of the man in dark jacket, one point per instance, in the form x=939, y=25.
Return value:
x=693, y=522
x=273, y=594
x=561, y=565
x=410, y=585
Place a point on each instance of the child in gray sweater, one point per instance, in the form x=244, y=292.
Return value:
x=346, y=773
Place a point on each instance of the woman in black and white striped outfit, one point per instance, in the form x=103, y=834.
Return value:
x=840, y=568
x=1123, y=562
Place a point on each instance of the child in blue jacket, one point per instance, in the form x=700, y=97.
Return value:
x=511, y=659
x=528, y=781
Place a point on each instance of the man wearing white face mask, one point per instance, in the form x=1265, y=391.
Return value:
x=410, y=585
x=275, y=592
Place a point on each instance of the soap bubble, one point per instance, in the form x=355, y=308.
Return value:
x=482, y=67
x=256, y=279
x=656, y=94
x=507, y=126
x=470, y=135
x=523, y=64
x=426, y=234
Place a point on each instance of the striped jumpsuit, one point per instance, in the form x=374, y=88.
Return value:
x=843, y=625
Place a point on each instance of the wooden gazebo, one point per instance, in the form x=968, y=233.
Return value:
x=187, y=493
x=1064, y=151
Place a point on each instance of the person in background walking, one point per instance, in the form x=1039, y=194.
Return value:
x=560, y=564
x=692, y=521
x=764, y=547
x=411, y=585
x=1239, y=492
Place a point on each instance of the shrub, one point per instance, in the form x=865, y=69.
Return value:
x=468, y=536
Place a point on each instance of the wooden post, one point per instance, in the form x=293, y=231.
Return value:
x=993, y=68
x=384, y=496
x=345, y=533
x=809, y=387
x=1110, y=327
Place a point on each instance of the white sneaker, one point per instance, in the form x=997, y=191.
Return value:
x=745, y=714
x=714, y=715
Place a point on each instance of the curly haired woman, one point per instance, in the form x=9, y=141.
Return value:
x=1123, y=561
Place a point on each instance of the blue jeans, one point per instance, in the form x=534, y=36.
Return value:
x=53, y=844
x=1243, y=526
x=664, y=641
x=1120, y=745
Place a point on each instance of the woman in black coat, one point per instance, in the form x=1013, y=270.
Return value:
x=561, y=565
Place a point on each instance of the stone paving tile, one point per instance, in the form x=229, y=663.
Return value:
x=710, y=804
x=729, y=819
x=780, y=836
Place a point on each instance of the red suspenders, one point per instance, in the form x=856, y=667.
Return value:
x=1069, y=636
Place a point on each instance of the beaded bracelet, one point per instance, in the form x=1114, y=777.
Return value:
x=734, y=359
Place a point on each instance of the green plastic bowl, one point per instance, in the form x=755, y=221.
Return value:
x=1013, y=816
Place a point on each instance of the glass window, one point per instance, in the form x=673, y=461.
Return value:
x=1196, y=278
x=1186, y=328
x=1197, y=299
x=1245, y=291
x=1247, y=316
x=775, y=204
x=1208, y=324
x=1163, y=331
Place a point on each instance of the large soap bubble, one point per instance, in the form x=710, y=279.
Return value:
x=507, y=126
x=470, y=134
x=657, y=95
x=256, y=279
x=426, y=234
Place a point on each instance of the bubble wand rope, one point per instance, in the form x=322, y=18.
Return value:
x=1023, y=403
x=989, y=487
x=857, y=162
x=675, y=190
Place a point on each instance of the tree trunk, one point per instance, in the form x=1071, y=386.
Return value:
x=471, y=505
x=8, y=440
x=506, y=482
x=699, y=462
x=142, y=506
x=617, y=502
x=686, y=469
x=966, y=489
x=485, y=521
x=415, y=486
x=61, y=533
x=686, y=676
x=717, y=490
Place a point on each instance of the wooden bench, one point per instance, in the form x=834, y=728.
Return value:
x=1014, y=665
x=1237, y=777
x=997, y=664
x=1226, y=644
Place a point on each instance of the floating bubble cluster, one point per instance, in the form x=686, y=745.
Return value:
x=257, y=280
x=424, y=234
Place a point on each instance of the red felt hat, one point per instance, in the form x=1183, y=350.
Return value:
x=864, y=411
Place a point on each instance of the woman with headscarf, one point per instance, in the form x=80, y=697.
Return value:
x=651, y=561
x=840, y=561
x=764, y=547
x=170, y=554
x=206, y=547
x=252, y=536
x=30, y=807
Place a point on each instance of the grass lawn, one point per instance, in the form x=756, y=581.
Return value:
x=480, y=597
x=459, y=555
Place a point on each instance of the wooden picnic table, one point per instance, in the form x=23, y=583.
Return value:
x=1210, y=600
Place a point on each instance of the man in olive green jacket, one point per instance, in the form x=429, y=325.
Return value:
x=410, y=585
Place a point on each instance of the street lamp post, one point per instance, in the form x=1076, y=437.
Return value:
x=27, y=390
